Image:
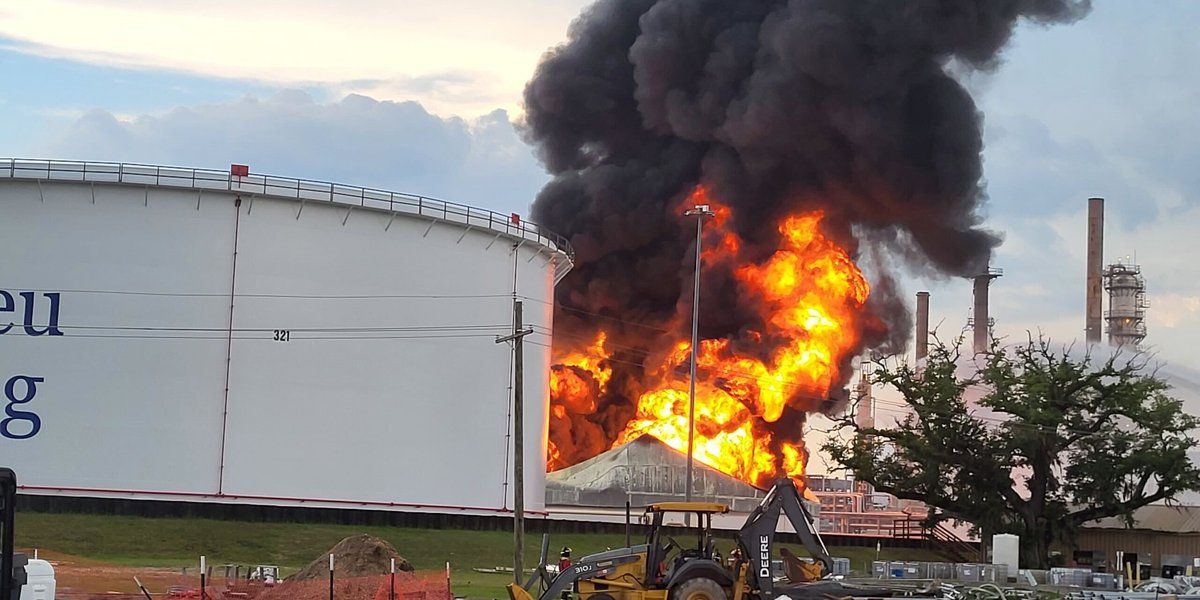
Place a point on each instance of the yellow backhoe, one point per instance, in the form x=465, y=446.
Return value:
x=664, y=569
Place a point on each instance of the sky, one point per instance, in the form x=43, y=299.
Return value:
x=424, y=97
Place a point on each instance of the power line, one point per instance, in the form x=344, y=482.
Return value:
x=420, y=333
x=151, y=337
x=546, y=331
x=489, y=336
x=647, y=353
x=378, y=296
x=801, y=389
x=794, y=387
x=559, y=306
x=292, y=339
x=723, y=369
x=280, y=296
x=398, y=329
x=997, y=420
x=990, y=419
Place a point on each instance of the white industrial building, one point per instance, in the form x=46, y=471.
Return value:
x=213, y=336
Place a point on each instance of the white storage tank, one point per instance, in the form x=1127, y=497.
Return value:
x=202, y=335
x=40, y=584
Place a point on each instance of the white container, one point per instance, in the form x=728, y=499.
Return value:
x=1073, y=577
x=879, y=569
x=841, y=566
x=40, y=583
x=1006, y=550
x=967, y=572
x=939, y=570
x=1105, y=581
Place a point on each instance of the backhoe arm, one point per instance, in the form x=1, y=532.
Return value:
x=802, y=522
x=566, y=579
x=757, y=536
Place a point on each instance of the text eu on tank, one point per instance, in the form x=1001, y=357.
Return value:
x=20, y=390
x=10, y=305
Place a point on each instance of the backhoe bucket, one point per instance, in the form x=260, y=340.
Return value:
x=810, y=572
x=516, y=592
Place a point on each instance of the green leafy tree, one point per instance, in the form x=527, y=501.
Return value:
x=1026, y=441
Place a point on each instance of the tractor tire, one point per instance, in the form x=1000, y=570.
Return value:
x=698, y=588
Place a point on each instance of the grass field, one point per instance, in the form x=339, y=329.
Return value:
x=175, y=542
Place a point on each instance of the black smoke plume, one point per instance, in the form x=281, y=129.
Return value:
x=779, y=107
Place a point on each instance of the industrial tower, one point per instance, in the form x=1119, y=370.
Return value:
x=980, y=322
x=864, y=408
x=1126, y=314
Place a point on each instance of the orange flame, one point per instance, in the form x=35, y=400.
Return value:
x=811, y=295
x=576, y=382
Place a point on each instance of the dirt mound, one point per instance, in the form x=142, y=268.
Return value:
x=355, y=556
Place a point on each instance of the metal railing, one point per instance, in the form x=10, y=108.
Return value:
x=1121, y=313
x=944, y=538
x=304, y=190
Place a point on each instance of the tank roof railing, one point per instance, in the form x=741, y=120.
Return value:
x=305, y=190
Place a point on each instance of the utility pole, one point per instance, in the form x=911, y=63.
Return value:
x=700, y=211
x=518, y=339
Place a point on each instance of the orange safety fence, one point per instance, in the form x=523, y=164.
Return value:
x=428, y=585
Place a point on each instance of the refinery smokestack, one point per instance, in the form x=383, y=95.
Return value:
x=980, y=320
x=922, y=325
x=1095, y=266
x=864, y=414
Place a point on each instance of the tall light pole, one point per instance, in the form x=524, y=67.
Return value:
x=699, y=211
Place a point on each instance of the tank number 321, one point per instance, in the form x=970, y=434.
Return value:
x=283, y=335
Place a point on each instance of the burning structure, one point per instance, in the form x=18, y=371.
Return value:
x=643, y=471
x=825, y=135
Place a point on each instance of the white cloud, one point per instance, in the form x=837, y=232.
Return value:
x=1069, y=115
x=1042, y=290
x=358, y=140
x=475, y=54
x=1175, y=310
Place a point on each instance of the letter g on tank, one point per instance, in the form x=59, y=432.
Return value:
x=20, y=389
